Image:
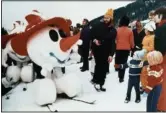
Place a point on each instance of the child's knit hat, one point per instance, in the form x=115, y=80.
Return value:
x=139, y=55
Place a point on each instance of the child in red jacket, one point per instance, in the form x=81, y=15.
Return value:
x=154, y=79
x=155, y=70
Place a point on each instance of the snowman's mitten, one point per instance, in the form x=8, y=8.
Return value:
x=13, y=74
x=27, y=74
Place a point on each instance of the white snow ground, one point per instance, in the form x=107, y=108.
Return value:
x=111, y=100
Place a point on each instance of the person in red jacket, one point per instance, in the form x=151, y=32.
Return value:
x=124, y=43
x=154, y=79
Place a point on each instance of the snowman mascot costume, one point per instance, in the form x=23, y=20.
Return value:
x=43, y=44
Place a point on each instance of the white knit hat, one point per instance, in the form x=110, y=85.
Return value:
x=150, y=26
x=139, y=55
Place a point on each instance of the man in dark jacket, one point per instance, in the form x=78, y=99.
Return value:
x=103, y=47
x=157, y=100
x=85, y=37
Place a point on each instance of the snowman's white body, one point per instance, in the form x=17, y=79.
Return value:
x=64, y=83
x=69, y=83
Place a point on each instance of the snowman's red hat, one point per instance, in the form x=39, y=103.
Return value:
x=36, y=23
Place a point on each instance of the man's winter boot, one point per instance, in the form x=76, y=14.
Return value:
x=137, y=99
x=92, y=82
x=127, y=100
x=121, y=80
x=97, y=87
x=92, y=74
x=102, y=89
x=84, y=69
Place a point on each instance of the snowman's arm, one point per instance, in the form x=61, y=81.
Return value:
x=44, y=72
x=46, y=69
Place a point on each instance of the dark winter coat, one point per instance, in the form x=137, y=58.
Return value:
x=138, y=37
x=160, y=39
x=106, y=35
x=160, y=45
x=85, y=36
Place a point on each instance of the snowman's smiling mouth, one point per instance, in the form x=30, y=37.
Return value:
x=59, y=61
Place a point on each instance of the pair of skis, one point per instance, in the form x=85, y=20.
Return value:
x=84, y=101
x=79, y=99
x=74, y=99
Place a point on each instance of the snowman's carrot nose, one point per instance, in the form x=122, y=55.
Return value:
x=67, y=43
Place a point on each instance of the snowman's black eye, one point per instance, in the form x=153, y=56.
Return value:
x=11, y=79
x=62, y=33
x=53, y=35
